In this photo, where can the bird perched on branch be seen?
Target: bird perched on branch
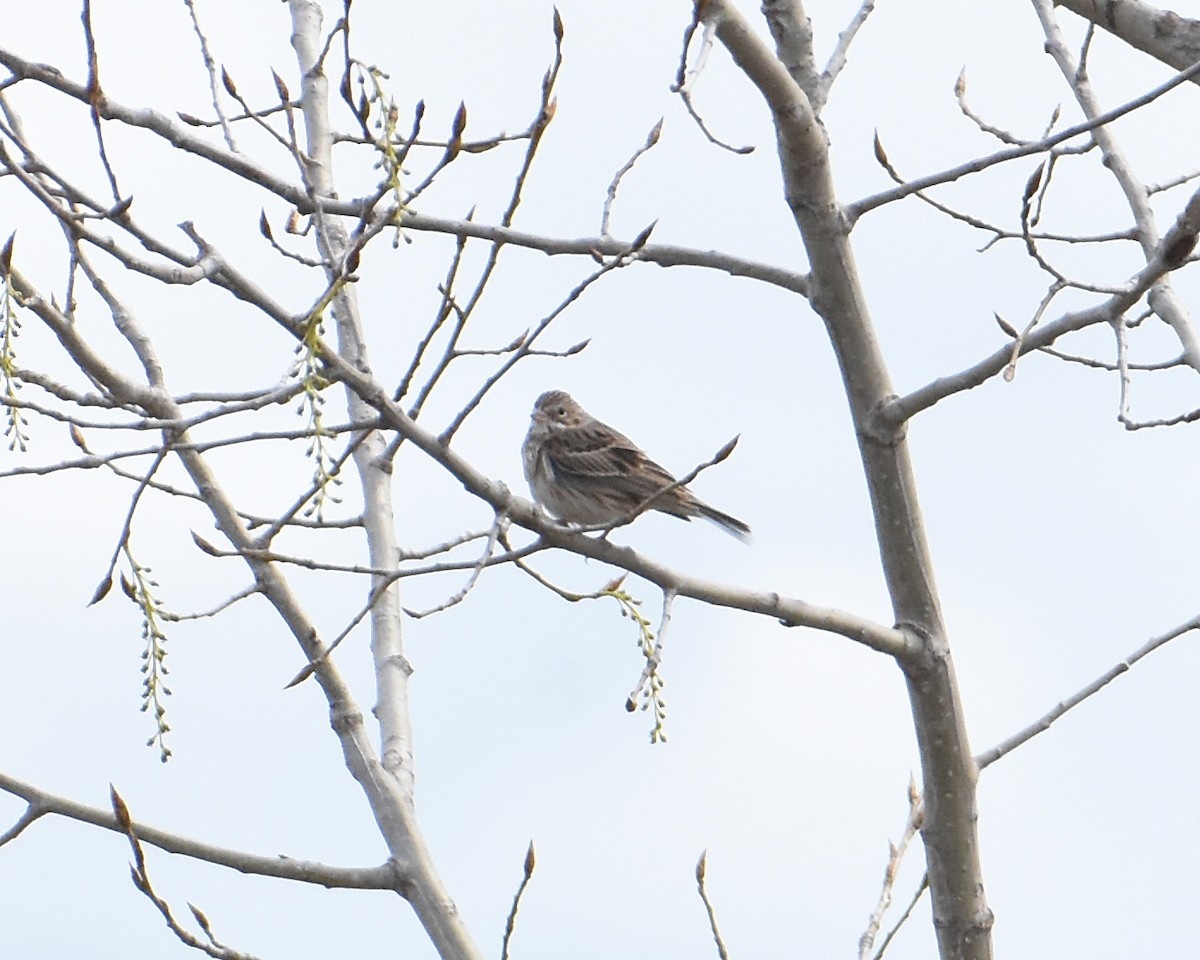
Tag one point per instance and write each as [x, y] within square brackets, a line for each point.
[585, 472]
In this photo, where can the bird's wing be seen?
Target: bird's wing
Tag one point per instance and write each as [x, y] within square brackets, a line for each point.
[597, 454]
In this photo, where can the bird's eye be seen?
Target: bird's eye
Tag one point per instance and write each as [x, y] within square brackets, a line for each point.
[560, 411]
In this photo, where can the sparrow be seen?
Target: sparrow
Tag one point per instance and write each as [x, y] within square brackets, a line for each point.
[583, 471]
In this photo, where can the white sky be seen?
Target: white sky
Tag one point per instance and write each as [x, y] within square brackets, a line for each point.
[1061, 541]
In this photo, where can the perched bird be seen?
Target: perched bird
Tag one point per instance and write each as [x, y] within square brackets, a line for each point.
[583, 471]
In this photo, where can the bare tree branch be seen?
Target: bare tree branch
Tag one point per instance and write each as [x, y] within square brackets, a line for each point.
[1179, 238]
[855, 210]
[1163, 299]
[837, 59]
[701, 886]
[896, 852]
[1164, 35]
[210, 68]
[285, 868]
[510, 923]
[1043, 723]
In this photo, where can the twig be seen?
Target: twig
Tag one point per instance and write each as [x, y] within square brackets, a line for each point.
[896, 852]
[988, 757]
[685, 77]
[123, 539]
[916, 897]
[498, 525]
[32, 813]
[95, 96]
[541, 122]
[335, 468]
[701, 870]
[446, 307]
[1153, 188]
[960, 95]
[212, 611]
[386, 577]
[662, 255]
[211, 67]
[141, 880]
[855, 210]
[1120, 332]
[626, 258]
[837, 59]
[510, 923]
[1179, 240]
[1019, 341]
[569, 595]
[1190, 417]
[611, 196]
[998, 233]
[282, 867]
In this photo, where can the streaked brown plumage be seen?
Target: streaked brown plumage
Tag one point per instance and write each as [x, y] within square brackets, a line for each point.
[583, 471]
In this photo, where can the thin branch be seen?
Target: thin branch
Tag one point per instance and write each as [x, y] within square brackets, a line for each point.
[545, 115]
[837, 59]
[195, 269]
[144, 423]
[386, 577]
[211, 68]
[960, 95]
[701, 870]
[1176, 361]
[123, 538]
[213, 611]
[652, 138]
[92, 462]
[1163, 299]
[686, 77]
[988, 757]
[999, 233]
[1092, 362]
[334, 470]
[855, 210]
[626, 258]
[916, 897]
[1019, 340]
[280, 867]
[1032, 205]
[1174, 249]
[896, 852]
[1153, 188]
[445, 308]
[498, 525]
[1190, 416]
[1122, 337]
[510, 923]
[661, 254]
[141, 879]
[569, 595]
[95, 96]
[33, 812]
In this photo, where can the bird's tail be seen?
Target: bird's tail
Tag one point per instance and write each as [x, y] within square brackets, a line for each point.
[731, 525]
